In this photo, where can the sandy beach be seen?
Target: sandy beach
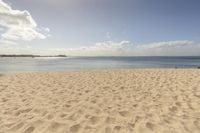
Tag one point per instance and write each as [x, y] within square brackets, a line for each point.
[101, 101]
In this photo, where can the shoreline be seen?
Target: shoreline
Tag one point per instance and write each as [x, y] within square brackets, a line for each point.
[94, 69]
[102, 69]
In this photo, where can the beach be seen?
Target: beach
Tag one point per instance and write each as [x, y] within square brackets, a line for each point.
[101, 101]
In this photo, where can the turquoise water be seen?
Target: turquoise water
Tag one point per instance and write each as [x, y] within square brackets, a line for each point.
[10, 65]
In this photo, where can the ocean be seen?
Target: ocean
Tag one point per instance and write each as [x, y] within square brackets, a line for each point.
[26, 64]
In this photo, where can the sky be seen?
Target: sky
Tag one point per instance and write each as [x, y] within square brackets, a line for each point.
[100, 27]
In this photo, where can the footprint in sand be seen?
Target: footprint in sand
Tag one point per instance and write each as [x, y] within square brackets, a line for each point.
[29, 130]
[124, 113]
[75, 128]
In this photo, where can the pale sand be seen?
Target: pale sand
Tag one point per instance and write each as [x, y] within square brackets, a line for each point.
[126, 101]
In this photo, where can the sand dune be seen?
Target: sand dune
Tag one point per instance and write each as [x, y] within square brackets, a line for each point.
[101, 101]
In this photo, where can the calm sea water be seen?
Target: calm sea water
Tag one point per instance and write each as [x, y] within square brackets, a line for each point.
[10, 65]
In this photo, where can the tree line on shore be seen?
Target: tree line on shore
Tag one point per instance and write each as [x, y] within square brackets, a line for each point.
[26, 55]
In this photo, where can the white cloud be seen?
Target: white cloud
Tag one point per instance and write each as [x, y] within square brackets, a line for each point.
[126, 48]
[7, 42]
[169, 44]
[170, 48]
[19, 25]
[108, 48]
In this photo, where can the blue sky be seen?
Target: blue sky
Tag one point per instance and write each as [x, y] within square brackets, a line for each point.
[77, 25]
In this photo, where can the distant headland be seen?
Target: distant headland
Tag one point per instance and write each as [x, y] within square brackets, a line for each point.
[32, 56]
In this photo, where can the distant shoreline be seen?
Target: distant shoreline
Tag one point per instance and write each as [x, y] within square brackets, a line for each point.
[32, 56]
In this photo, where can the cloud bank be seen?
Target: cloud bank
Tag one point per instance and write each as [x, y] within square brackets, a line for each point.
[111, 48]
[18, 25]
[126, 48]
